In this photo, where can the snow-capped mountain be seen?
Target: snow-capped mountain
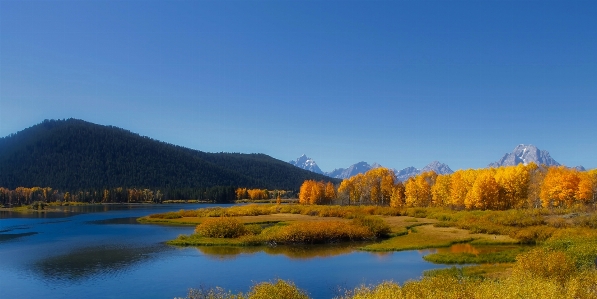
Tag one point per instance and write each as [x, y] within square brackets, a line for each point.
[438, 167]
[307, 163]
[404, 174]
[525, 154]
[344, 173]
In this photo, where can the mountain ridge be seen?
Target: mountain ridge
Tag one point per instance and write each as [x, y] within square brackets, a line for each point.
[74, 154]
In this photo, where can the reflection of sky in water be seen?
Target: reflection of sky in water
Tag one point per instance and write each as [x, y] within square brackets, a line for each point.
[96, 254]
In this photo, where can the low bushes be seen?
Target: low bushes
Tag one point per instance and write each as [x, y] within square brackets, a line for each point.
[213, 230]
[317, 232]
[265, 290]
[223, 227]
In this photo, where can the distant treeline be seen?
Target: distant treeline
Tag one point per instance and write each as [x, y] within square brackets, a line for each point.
[258, 194]
[26, 196]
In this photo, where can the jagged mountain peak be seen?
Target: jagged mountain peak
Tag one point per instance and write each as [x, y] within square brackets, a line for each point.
[438, 167]
[352, 170]
[306, 163]
[525, 154]
[408, 172]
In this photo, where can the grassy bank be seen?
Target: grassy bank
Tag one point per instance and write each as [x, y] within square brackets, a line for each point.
[230, 231]
[559, 265]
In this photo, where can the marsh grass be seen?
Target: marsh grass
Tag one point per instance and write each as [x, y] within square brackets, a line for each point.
[503, 256]
[227, 231]
[347, 212]
[281, 289]
[421, 237]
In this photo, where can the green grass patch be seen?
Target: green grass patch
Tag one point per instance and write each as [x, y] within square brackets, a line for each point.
[503, 256]
[422, 237]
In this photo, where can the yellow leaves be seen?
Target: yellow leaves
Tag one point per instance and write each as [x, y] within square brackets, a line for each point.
[440, 192]
[485, 193]
[502, 188]
[315, 193]
[562, 186]
[376, 186]
[418, 189]
[398, 197]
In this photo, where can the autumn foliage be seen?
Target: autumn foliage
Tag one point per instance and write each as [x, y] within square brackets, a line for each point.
[503, 188]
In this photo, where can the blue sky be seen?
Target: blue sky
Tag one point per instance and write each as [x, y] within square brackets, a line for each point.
[400, 83]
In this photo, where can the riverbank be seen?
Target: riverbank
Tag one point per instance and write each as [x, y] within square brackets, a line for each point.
[405, 232]
[409, 229]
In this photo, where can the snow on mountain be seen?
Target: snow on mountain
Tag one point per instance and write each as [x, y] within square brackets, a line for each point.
[306, 163]
[438, 167]
[525, 154]
[344, 173]
[404, 174]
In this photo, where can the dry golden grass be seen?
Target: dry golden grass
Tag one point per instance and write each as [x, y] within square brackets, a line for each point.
[429, 236]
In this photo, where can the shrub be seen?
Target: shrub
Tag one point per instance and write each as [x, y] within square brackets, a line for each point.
[544, 263]
[222, 227]
[317, 232]
[376, 225]
[279, 289]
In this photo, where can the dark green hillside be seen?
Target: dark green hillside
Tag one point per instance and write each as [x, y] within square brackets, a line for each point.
[74, 154]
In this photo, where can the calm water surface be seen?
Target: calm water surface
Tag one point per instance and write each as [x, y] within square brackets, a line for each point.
[101, 252]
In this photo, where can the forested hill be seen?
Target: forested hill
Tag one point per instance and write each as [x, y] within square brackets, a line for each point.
[73, 154]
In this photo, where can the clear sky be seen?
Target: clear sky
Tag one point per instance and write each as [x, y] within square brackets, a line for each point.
[401, 83]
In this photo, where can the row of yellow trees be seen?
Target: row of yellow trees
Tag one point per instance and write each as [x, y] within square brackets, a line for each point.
[316, 193]
[492, 188]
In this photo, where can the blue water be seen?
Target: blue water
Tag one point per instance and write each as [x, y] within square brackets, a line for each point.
[101, 252]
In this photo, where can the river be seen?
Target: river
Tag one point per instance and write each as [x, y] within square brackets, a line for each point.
[101, 252]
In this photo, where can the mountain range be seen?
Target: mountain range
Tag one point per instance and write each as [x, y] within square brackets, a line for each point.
[307, 163]
[523, 153]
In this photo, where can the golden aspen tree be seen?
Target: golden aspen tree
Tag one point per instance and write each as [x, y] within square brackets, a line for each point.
[458, 190]
[440, 192]
[536, 176]
[426, 181]
[345, 190]
[317, 193]
[485, 192]
[411, 192]
[305, 192]
[559, 187]
[388, 181]
[462, 183]
[356, 194]
[397, 200]
[514, 185]
[330, 192]
[586, 187]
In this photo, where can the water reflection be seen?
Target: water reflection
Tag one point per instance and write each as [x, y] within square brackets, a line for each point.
[86, 262]
[125, 220]
[8, 237]
[292, 252]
